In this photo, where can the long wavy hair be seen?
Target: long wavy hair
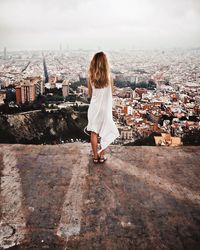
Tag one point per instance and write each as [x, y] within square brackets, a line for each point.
[99, 71]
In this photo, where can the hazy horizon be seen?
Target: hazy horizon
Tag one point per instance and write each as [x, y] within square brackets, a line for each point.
[99, 24]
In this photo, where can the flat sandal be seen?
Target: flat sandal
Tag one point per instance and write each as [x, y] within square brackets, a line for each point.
[102, 159]
[95, 160]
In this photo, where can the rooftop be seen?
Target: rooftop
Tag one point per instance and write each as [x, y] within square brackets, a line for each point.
[55, 197]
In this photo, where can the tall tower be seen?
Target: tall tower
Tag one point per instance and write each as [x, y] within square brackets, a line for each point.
[4, 53]
[65, 88]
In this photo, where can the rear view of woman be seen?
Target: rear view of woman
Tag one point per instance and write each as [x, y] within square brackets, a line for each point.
[100, 119]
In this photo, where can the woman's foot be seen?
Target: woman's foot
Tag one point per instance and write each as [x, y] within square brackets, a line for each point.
[96, 160]
[102, 159]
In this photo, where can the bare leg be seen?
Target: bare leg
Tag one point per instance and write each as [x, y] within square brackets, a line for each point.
[101, 154]
[94, 143]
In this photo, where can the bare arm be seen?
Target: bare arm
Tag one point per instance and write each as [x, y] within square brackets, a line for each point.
[89, 88]
[112, 84]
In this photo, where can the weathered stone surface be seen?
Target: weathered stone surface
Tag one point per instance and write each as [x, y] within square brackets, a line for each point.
[54, 197]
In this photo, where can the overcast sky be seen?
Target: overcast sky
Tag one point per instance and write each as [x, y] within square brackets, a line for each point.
[94, 24]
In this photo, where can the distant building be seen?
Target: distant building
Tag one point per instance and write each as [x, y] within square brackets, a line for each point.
[128, 110]
[126, 133]
[138, 92]
[167, 140]
[128, 92]
[18, 94]
[65, 88]
[28, 89]
[39, 87]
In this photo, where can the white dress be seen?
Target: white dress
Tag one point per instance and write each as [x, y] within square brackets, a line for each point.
[100, 119]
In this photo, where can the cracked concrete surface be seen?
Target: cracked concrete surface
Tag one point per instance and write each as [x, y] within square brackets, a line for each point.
[54, 197]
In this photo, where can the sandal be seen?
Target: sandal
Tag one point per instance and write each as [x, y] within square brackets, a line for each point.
[102, 159]
[95, 160]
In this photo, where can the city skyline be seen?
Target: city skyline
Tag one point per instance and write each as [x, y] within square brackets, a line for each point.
[50, 25]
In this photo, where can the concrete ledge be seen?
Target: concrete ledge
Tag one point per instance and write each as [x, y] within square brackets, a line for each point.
[54, 197]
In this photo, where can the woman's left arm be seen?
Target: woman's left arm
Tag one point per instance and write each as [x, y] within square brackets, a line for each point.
[89, 88]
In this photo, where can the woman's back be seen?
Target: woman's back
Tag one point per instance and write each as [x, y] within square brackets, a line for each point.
[102, 97]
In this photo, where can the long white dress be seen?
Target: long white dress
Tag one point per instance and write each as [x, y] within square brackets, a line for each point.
[100, 118]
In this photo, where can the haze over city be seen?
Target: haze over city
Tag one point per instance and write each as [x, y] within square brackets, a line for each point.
[99, 24]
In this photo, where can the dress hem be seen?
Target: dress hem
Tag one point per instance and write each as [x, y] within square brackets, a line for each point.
[93, 130]
[112, 139]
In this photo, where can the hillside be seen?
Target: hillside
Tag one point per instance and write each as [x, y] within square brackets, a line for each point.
[38, 127]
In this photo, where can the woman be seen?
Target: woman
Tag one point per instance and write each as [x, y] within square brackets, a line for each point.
[100, 119]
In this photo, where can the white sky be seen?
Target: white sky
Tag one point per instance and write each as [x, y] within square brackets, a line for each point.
[105, 24]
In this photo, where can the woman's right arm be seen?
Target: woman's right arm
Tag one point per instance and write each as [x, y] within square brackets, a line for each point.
[112, 84]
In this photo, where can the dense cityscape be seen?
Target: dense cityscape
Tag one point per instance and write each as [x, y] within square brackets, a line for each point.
[156, 92]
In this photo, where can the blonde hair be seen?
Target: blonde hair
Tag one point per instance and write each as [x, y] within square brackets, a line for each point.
[99, 71]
